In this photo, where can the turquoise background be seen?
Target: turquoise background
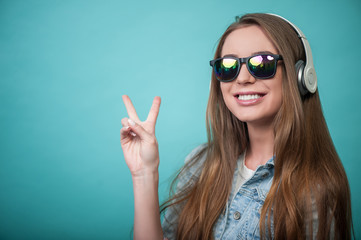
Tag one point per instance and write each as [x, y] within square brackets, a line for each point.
[64, 66]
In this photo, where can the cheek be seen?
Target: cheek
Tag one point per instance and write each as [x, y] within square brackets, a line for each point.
[225, 90]
[278, 100]
[223, 87]
[278, 95]
[277, 87]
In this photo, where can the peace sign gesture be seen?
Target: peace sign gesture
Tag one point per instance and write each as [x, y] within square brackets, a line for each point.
[140, 147]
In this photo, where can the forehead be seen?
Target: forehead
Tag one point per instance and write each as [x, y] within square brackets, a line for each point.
[246, 41]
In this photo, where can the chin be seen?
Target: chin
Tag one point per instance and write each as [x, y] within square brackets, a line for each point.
[256, 119]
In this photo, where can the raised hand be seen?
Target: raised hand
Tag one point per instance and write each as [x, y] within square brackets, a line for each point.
[138, 141]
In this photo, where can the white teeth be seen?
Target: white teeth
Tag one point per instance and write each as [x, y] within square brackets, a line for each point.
[248, 97]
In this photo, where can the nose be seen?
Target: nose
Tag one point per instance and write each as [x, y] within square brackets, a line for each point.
[244, 77]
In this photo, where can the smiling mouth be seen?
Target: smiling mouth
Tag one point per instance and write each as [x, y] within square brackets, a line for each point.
[246, 97]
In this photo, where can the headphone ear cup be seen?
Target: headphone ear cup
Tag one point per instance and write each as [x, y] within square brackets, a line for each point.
[300, 66]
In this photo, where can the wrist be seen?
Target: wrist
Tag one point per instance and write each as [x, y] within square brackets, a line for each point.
[146, 177]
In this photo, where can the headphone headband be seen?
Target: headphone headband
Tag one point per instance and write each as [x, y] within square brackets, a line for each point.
[307, 79]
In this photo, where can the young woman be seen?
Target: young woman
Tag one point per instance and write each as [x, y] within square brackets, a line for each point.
[269, 168]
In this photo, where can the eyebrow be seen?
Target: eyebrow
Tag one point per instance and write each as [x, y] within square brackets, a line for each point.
[254, 53]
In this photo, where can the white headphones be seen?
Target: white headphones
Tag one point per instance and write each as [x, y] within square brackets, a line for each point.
[306, 74]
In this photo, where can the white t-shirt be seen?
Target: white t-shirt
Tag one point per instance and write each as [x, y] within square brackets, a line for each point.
[243, 173]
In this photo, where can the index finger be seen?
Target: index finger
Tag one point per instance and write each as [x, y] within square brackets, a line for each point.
[130, 108]
[154, 110]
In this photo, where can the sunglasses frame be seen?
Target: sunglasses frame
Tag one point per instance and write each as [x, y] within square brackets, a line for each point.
[246, 60]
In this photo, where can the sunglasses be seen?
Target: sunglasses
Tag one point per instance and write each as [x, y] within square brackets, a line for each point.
[261, 66]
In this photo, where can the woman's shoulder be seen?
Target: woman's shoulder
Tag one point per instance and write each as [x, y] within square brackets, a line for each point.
[198, 153]
[193, 164]
[196, 157]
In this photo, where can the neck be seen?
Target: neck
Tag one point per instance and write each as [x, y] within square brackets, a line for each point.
[261, 145]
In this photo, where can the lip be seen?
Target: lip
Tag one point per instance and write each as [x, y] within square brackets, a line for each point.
[249, 102]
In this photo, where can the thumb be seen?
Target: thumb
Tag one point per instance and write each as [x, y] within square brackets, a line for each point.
[138, 130]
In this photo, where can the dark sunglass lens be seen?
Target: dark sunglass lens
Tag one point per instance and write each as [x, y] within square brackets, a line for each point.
[226, 69]
[262, 66]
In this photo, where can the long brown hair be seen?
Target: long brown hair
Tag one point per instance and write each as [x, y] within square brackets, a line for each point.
[308, 172]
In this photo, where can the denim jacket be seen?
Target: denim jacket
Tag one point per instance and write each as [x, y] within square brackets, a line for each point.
[241, 217]
[240, 220]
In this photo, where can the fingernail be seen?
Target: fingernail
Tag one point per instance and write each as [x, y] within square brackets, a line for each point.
[133, 134]
[126, 128]
[131, 122]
